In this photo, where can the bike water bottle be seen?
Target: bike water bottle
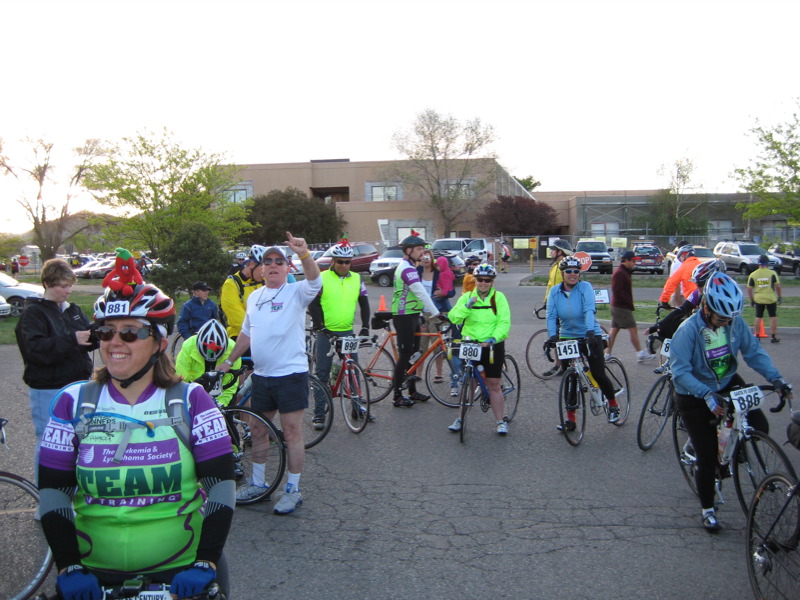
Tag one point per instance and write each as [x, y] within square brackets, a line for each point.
[415, 357]
[724, 436]
[335, 368]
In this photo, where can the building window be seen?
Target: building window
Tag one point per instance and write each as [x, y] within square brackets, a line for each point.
[460, 189]
[239, 193]
[600, 230]
[383, 192]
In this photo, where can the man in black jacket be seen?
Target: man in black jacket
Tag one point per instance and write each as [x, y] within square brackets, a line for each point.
[54, 338]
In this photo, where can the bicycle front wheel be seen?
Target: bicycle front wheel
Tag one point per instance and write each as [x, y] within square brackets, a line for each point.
[466, 399]
[509, 385]
[684, 451]
[26, 558]
[754, 458]
[572, 407]
[378, 366]
[441, 375]
[541, 362]
[354, 398]
[655, 412]
[619, 379]
[257, 446]
[318, 417]
[773, 530]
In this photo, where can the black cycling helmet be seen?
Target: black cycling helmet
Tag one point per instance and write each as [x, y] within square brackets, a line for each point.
[412, 241]
[569, 262]
[562, 245]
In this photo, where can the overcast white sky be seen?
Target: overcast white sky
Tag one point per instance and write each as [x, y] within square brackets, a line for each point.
[583, 95]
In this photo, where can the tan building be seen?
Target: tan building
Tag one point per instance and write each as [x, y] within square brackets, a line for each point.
[383, 200]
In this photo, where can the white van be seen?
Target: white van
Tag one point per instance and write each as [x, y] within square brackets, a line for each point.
[465, 247]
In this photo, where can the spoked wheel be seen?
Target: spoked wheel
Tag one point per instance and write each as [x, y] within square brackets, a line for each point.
[541, 361]
[440, 386]
[656, 411]
[378, 366]
[466, 400]
[571, 400]
[684, 451]
[257, 445]
[354, 398]
[619, 379]
[755, 457]
[318, 416]
[176, 345]
[773, 530]
[509, 384]
[26, 556]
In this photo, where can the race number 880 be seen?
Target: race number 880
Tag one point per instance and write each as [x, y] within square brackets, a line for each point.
[470, 352]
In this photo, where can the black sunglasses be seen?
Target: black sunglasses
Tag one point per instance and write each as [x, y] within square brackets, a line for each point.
[339, 261]
[484, 279]
[126, 334]
[277, 261]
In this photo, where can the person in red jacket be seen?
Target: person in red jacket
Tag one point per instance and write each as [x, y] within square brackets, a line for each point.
[622, 307]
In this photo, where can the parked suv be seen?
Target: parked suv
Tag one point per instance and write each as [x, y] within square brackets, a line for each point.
[743, 256]
[601, 259]
[789, 256]
[464, 247]
[363, 255]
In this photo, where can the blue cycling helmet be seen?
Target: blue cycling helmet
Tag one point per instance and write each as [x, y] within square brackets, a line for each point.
[705, 270]
[723, 296]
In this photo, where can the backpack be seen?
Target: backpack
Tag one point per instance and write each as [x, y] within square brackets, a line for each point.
[177, 405]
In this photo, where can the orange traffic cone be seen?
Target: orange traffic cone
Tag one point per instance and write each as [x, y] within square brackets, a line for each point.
[761, 333]
[382, 304]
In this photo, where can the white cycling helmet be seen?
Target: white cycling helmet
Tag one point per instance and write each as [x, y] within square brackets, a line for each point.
[342, 251]
[485, 270]
[257, 253]
[212, 340]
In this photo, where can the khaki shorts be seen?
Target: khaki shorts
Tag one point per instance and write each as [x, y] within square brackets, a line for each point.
[622, 318]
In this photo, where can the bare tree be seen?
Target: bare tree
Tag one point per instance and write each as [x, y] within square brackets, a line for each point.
[53, 223]
[678, 209]
[442, 165]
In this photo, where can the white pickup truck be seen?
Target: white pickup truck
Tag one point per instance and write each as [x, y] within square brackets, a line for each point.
[465, 247]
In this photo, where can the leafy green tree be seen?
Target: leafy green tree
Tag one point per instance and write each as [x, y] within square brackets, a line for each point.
[161, 186]
[10, 244]
[277, 212]
[441, 165]
[53, 222]
[529, 183]
[773, 178]
[517, 215]
[192, 254]
[678, 209]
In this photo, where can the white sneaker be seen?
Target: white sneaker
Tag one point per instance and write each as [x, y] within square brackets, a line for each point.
[645, 356]
[250, 491]
[609, 356]
[454, 392]
[456, 426]
[502, 428]
[288, 502]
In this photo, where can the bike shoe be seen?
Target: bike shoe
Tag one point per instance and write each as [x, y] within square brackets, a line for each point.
[417, 397]
[613, 414]
[710, 522]
[566, 426]
[319, 423]
[402, 401]
[551, 372]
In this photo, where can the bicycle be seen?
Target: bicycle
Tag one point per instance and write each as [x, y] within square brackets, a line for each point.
[773, 536]
[473, 385]
[29, 560]
[176, 345]
[538, 354]
[349, 382]
[141, 588]
[256, 440]
[577, 381]
[748, 455]
[659, 404]
[379, 362]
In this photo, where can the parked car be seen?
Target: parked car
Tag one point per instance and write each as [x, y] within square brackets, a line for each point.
[464, 247]
[15, 293]
[648, 259]
[363, 255]
[789, 256]
[5, 308]
[382, 271]
[743, 256]
[297, 264]
[83, 272]
[701, 252]
[601, 259]
[102, 268]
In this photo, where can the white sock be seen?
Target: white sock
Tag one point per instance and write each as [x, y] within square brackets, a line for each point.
[258, 474]
[293, 480]
[708, 511]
